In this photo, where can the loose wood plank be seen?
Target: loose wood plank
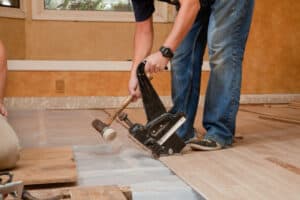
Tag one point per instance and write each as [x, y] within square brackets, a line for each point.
[45, 166]
[82, 193]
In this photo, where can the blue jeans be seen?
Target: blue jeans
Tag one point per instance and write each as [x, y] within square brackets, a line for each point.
[224, 26]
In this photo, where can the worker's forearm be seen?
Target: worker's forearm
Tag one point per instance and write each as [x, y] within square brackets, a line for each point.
[143, 41]
[183, 22]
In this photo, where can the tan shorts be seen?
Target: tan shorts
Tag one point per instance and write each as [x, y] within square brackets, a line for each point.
[9, 145]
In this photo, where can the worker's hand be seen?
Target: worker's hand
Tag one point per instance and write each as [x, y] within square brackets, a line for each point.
[3, 110]
[156, 62]
[133, 86]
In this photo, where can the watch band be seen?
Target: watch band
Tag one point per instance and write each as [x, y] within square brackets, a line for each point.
[166, 52]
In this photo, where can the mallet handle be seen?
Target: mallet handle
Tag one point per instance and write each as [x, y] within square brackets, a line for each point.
[126, 102]
[123, 106]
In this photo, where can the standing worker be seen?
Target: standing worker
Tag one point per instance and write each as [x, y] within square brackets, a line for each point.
[224, 26]
[9, 143]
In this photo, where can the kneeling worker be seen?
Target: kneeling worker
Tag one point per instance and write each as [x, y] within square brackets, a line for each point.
[9, 143]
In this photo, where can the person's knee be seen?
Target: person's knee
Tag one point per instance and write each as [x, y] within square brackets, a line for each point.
[9, 145]
[2, 57]
[2, 50]
[218, 47]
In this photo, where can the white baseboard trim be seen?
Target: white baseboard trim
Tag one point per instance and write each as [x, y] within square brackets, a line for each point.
[269, 98]
[114, 102]
[68, 65]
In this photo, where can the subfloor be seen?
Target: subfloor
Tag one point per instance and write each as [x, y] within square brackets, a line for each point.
[264, 164]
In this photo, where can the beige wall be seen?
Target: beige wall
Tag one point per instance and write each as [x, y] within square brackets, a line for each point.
[271, 62]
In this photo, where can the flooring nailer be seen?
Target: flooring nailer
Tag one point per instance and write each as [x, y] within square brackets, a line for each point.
[159, 133]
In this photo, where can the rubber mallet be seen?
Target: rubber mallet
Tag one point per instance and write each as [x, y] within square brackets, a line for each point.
[104, 129]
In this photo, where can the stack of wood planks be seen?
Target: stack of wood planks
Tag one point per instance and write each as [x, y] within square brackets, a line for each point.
[46, 166]
[43, 167]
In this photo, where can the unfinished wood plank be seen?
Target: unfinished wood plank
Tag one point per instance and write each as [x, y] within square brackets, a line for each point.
[284, 165]
[280, 119]
[285, 112]
[46, 166]
[245, 176]
[242, 172]
[83, 193]
[64, 153]
[294, 105]
[282, 114]
[127, 192]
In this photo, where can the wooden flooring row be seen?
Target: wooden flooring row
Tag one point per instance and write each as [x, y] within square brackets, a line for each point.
[265, 164]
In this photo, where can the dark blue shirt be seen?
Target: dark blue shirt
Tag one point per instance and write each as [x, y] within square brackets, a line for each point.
[143, 9]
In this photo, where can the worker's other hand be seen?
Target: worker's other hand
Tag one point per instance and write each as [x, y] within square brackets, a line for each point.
[156, 62]
[3, 110]
[133, 87]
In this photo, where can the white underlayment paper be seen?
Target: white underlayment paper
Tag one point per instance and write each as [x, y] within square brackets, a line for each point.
[114, 164]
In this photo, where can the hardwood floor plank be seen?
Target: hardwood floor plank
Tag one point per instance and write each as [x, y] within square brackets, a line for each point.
[263, 165]
[46, 166]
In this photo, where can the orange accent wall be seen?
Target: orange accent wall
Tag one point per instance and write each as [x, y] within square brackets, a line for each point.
[12, 33]
[271, 65]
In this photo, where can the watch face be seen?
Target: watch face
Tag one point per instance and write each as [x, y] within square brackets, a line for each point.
[166, 52]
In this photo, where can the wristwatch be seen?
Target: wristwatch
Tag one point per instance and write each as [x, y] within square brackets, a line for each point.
[166, 52]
